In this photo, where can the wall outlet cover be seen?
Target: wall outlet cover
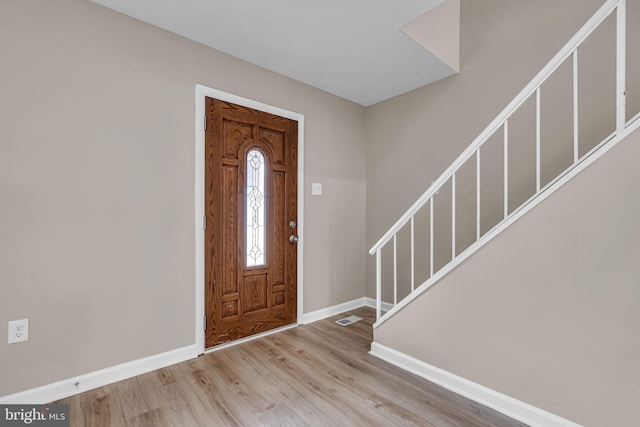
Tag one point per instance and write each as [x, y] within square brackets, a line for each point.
[18, 330]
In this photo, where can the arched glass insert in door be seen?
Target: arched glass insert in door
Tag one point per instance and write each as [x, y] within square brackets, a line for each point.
[255, 205]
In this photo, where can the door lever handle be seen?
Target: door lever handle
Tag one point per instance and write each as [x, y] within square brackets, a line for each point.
[293, 238]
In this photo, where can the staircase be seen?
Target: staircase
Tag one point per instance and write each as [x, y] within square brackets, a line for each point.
[388, 300]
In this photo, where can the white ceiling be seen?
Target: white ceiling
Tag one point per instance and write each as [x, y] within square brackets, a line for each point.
[350, 48]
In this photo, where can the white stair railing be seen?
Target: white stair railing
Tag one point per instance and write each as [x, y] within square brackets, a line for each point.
[501, 124]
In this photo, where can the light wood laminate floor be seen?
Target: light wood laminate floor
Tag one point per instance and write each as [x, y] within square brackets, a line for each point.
[314, 375]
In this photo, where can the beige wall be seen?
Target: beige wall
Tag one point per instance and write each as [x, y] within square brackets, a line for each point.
[97, 186]
[438, 31]
[549, 311]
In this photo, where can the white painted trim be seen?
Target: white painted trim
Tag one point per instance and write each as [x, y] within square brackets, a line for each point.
[502, 403]
[371, 302]
[323, 313]
[249, 338]
[65, 388]
[548, 190]
[379, 283]
[621, 64]
[201, 93]
[199, 213]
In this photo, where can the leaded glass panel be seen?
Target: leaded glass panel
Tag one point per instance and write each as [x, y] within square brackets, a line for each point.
[255, 205]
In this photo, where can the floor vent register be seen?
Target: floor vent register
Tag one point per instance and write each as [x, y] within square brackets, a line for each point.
[348, 320]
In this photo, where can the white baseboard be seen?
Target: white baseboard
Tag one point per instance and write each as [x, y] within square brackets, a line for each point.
[520, 411]
[65, 388]
[321, 314]
[314, 316]
[371, 302]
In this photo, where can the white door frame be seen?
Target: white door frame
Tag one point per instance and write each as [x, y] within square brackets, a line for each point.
[201, 93]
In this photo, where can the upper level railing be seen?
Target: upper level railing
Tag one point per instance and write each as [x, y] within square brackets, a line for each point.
[501, 126]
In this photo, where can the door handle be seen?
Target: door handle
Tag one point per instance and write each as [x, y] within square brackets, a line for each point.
[293, 238]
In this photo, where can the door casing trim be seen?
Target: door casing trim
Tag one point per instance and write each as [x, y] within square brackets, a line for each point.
[201, 93]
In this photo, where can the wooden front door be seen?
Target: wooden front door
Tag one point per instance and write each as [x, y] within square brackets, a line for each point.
[251, 215]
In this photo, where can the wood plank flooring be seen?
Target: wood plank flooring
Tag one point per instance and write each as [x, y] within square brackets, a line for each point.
[314, 375]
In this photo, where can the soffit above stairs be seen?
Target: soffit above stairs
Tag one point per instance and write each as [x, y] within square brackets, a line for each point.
[361, 50]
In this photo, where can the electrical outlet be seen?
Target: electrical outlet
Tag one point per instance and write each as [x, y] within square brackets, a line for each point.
[18, 330]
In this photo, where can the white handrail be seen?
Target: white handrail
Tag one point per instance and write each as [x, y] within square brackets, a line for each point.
[605, 10]
[621, 64]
